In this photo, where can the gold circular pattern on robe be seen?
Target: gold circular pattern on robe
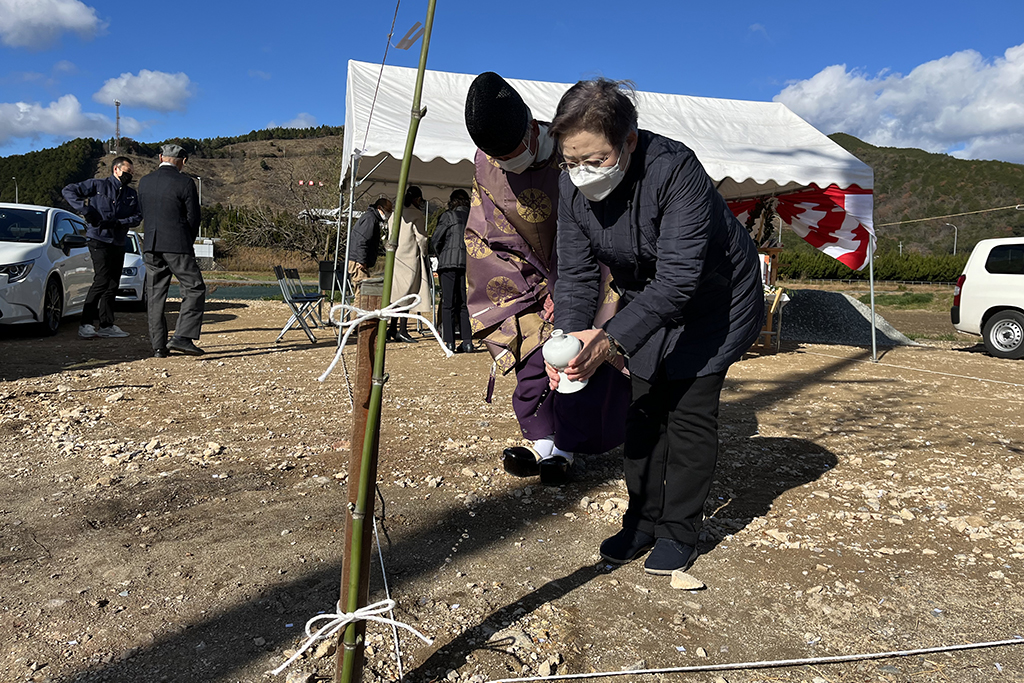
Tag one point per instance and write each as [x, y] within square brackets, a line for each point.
[502, 223]
[610, 296]
[474, 197]
[475, 246]
[502, 291]
[475, 325]
[533, 205]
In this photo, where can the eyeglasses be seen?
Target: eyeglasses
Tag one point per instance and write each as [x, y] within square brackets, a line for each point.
[587, 163]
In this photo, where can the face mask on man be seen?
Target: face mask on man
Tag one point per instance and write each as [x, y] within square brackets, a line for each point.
[597, 183]
[520, 162]
[126, 178]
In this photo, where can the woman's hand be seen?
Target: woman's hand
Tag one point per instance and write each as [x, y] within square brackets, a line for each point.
[547, 312]
[589, 359]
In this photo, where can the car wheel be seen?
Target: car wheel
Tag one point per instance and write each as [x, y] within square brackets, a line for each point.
[1004, 335]
[53, 307]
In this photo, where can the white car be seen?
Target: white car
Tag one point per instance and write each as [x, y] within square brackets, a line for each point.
[45, 266]
[133, 274]
[989, 296]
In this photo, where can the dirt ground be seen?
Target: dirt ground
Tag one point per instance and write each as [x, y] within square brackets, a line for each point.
[180, 519]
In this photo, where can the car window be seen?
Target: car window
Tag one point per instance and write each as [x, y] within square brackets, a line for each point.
[1006, 259]
[22, 225]
[79, 227]
[64, 226]
[131, 245]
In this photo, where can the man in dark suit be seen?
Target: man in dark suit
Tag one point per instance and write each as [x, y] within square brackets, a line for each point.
[170, 211]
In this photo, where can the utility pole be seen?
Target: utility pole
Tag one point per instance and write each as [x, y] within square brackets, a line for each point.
[117, 126]
[15, 189]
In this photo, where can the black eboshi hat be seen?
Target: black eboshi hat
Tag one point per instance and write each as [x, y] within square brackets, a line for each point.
[496, 116]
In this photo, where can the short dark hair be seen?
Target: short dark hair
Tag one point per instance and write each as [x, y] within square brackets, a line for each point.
[120, 160]
[381, 203]
[599, 106]
[458, 198]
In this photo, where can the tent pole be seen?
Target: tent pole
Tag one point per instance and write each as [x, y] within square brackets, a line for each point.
[871, 279]
[352, 650]
[348, 234]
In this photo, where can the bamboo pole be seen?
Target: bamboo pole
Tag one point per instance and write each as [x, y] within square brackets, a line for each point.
[348, 655]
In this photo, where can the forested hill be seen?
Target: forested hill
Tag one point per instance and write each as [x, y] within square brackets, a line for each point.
[912, 183]
[285, 170]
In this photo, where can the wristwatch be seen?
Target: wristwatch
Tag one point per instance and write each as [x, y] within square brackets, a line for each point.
[614, 348]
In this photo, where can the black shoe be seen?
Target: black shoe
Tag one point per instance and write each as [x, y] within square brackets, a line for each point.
[160, 353]
[626, 546]
[668, 556]
[186, 346]
[403, 337]
[556, 470]
[520, 461]
[466, 347]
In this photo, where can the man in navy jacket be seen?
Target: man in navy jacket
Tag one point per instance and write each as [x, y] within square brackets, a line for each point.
[170, 207]
[111, 208]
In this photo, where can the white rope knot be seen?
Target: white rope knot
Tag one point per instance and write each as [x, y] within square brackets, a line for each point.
[396, 309]
[339, 620]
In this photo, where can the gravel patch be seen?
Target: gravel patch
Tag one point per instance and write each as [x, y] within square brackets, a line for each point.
[816, 317]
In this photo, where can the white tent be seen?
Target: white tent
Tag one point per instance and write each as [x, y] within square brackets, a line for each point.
[750, 148]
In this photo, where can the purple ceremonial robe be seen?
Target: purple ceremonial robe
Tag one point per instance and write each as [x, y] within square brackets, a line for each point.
[510, 271]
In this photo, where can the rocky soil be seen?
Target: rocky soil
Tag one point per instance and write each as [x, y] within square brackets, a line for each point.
[180, 519]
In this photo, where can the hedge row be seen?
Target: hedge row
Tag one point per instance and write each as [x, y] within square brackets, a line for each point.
[888, 266]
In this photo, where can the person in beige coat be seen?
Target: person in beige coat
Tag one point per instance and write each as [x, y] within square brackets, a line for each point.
[411, 271]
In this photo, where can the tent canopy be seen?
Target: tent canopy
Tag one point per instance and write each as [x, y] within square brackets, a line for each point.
[748, 148]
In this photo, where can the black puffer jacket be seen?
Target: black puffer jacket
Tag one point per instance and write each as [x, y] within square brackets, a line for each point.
[687, 271]
[449, 239]
[364, 242]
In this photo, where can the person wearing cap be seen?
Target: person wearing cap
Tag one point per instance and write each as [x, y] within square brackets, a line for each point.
[170, 211]
[111, 208]
[364, 242]
[511, 271]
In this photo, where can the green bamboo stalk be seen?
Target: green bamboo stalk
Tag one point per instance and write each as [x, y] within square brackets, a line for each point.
[358, 515]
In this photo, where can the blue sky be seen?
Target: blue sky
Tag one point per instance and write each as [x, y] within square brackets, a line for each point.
[939, 75]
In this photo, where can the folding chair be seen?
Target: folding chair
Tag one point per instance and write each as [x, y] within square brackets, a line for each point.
[302, 303]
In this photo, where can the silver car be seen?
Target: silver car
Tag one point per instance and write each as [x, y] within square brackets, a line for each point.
[45, 267]
[133, 274]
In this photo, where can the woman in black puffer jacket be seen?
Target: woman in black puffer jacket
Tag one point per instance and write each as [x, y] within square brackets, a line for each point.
[448, 242]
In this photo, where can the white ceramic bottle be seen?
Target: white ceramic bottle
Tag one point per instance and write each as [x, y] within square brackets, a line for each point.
[558, 351]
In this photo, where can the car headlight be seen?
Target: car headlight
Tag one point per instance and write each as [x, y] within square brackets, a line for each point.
[16, 272]
[131, 271]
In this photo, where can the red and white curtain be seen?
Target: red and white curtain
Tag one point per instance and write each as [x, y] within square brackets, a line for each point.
[834, 221]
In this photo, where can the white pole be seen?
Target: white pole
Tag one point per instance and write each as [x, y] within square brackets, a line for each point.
[871, 278]
[348, 233]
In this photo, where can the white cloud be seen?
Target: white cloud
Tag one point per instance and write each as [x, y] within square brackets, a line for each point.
[36, 24]
[63, 119]
[148, 90]
[302, 120]
[961, 104]
[261, 75]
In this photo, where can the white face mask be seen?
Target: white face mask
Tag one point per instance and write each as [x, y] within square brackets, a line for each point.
[598, 183]
[518, 163]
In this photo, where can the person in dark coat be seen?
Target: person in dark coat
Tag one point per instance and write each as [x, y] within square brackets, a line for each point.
[692, 303]
[170, 209]
[449, 243]
[364, 241]
[110, 208]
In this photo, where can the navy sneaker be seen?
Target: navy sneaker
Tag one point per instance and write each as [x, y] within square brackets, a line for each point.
[626, 546]
[668, 556]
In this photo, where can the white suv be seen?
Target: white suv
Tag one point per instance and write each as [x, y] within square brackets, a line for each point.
[989, 296]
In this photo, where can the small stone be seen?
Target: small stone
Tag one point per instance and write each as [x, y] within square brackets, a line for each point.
[545, 669]
[153, 445]
[468, 472]
[683, 581]
[701, 652]
[996, 575]
[300, 677]
[260, 641]
[326, 648]
[115, 397]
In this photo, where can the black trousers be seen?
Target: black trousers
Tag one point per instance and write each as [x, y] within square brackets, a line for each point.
[159, 268]
[453, 305]
[107, 263]
[670, 454]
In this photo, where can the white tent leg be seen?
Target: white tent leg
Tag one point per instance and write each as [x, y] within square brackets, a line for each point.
[871, 279]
